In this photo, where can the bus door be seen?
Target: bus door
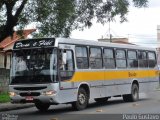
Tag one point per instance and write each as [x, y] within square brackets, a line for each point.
[66, 68]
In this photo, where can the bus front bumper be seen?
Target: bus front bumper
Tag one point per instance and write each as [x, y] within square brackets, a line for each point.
[34, 99]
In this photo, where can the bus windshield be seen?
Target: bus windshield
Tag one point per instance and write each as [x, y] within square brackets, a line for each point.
[37, 66]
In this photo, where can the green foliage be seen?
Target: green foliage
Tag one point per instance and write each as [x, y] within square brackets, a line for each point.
[140, 3]
[4, 97]
[60, 17]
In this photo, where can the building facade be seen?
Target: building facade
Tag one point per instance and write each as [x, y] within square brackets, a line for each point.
[6, 54]
[158, 45]
[116, 40]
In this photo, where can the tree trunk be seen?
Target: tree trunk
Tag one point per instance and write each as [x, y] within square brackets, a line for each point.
[12, 20]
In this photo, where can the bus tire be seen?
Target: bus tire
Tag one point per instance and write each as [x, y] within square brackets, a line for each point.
[42, 106]
[134, 96]
[82, 100]
[126, 98]
[101, 100]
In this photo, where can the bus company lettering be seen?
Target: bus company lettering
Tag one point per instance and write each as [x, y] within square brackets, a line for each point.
[43, 42]
[157, 72]
[132, 74]
[20, 45]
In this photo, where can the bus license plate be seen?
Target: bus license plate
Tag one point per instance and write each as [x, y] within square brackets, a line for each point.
[29, 98]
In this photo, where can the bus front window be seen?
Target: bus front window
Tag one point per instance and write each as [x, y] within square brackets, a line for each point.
[34, 66]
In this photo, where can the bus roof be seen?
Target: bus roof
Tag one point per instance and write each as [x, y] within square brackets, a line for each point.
[103, 44]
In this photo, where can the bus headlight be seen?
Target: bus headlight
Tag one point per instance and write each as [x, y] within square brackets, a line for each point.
[12, 94]
[49, 93]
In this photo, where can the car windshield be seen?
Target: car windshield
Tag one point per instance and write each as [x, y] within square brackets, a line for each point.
[34, 66]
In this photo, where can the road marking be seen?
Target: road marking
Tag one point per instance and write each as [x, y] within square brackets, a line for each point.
[135, 104]
[100, 110]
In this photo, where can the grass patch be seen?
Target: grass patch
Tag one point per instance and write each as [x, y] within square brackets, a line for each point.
[4, 97]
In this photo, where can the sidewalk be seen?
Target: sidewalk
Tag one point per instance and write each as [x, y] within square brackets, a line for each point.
[10, 106]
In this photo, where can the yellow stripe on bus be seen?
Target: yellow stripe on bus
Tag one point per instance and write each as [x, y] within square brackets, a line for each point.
[112, 75]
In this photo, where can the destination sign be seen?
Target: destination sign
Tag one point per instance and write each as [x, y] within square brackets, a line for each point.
[34, 43]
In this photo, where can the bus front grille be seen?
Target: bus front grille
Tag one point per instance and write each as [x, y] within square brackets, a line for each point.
[30, 88]
[29, 94]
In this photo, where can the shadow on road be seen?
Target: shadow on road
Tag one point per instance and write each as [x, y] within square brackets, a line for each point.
[55, 110]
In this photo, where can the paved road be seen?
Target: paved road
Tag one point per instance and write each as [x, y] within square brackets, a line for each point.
[148, 103]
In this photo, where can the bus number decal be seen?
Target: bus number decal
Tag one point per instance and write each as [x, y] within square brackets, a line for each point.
[132, 74]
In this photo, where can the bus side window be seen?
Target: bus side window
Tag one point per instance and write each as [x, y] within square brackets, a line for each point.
[132, 59]
[142, 59]
[95, 58]
[121, 59]
[69, 61]
[82, 57]
[109, 61]
[151, 59]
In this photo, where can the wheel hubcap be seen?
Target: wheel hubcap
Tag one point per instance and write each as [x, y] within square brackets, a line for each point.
[135, 94]
[82, 98]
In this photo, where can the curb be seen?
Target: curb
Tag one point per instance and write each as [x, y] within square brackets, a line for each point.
[10, 106]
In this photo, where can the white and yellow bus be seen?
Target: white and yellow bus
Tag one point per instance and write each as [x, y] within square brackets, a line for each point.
[51, 71]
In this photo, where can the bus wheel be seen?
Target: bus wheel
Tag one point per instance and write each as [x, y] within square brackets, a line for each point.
[101, 100]
[82, 100]
[42, 106]
[134, 96]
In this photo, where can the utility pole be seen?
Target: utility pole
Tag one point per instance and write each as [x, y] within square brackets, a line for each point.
[110, 35]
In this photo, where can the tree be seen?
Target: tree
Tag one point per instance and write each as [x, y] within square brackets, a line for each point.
[60, 17]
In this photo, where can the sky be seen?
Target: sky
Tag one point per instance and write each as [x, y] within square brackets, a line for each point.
[141, 27]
